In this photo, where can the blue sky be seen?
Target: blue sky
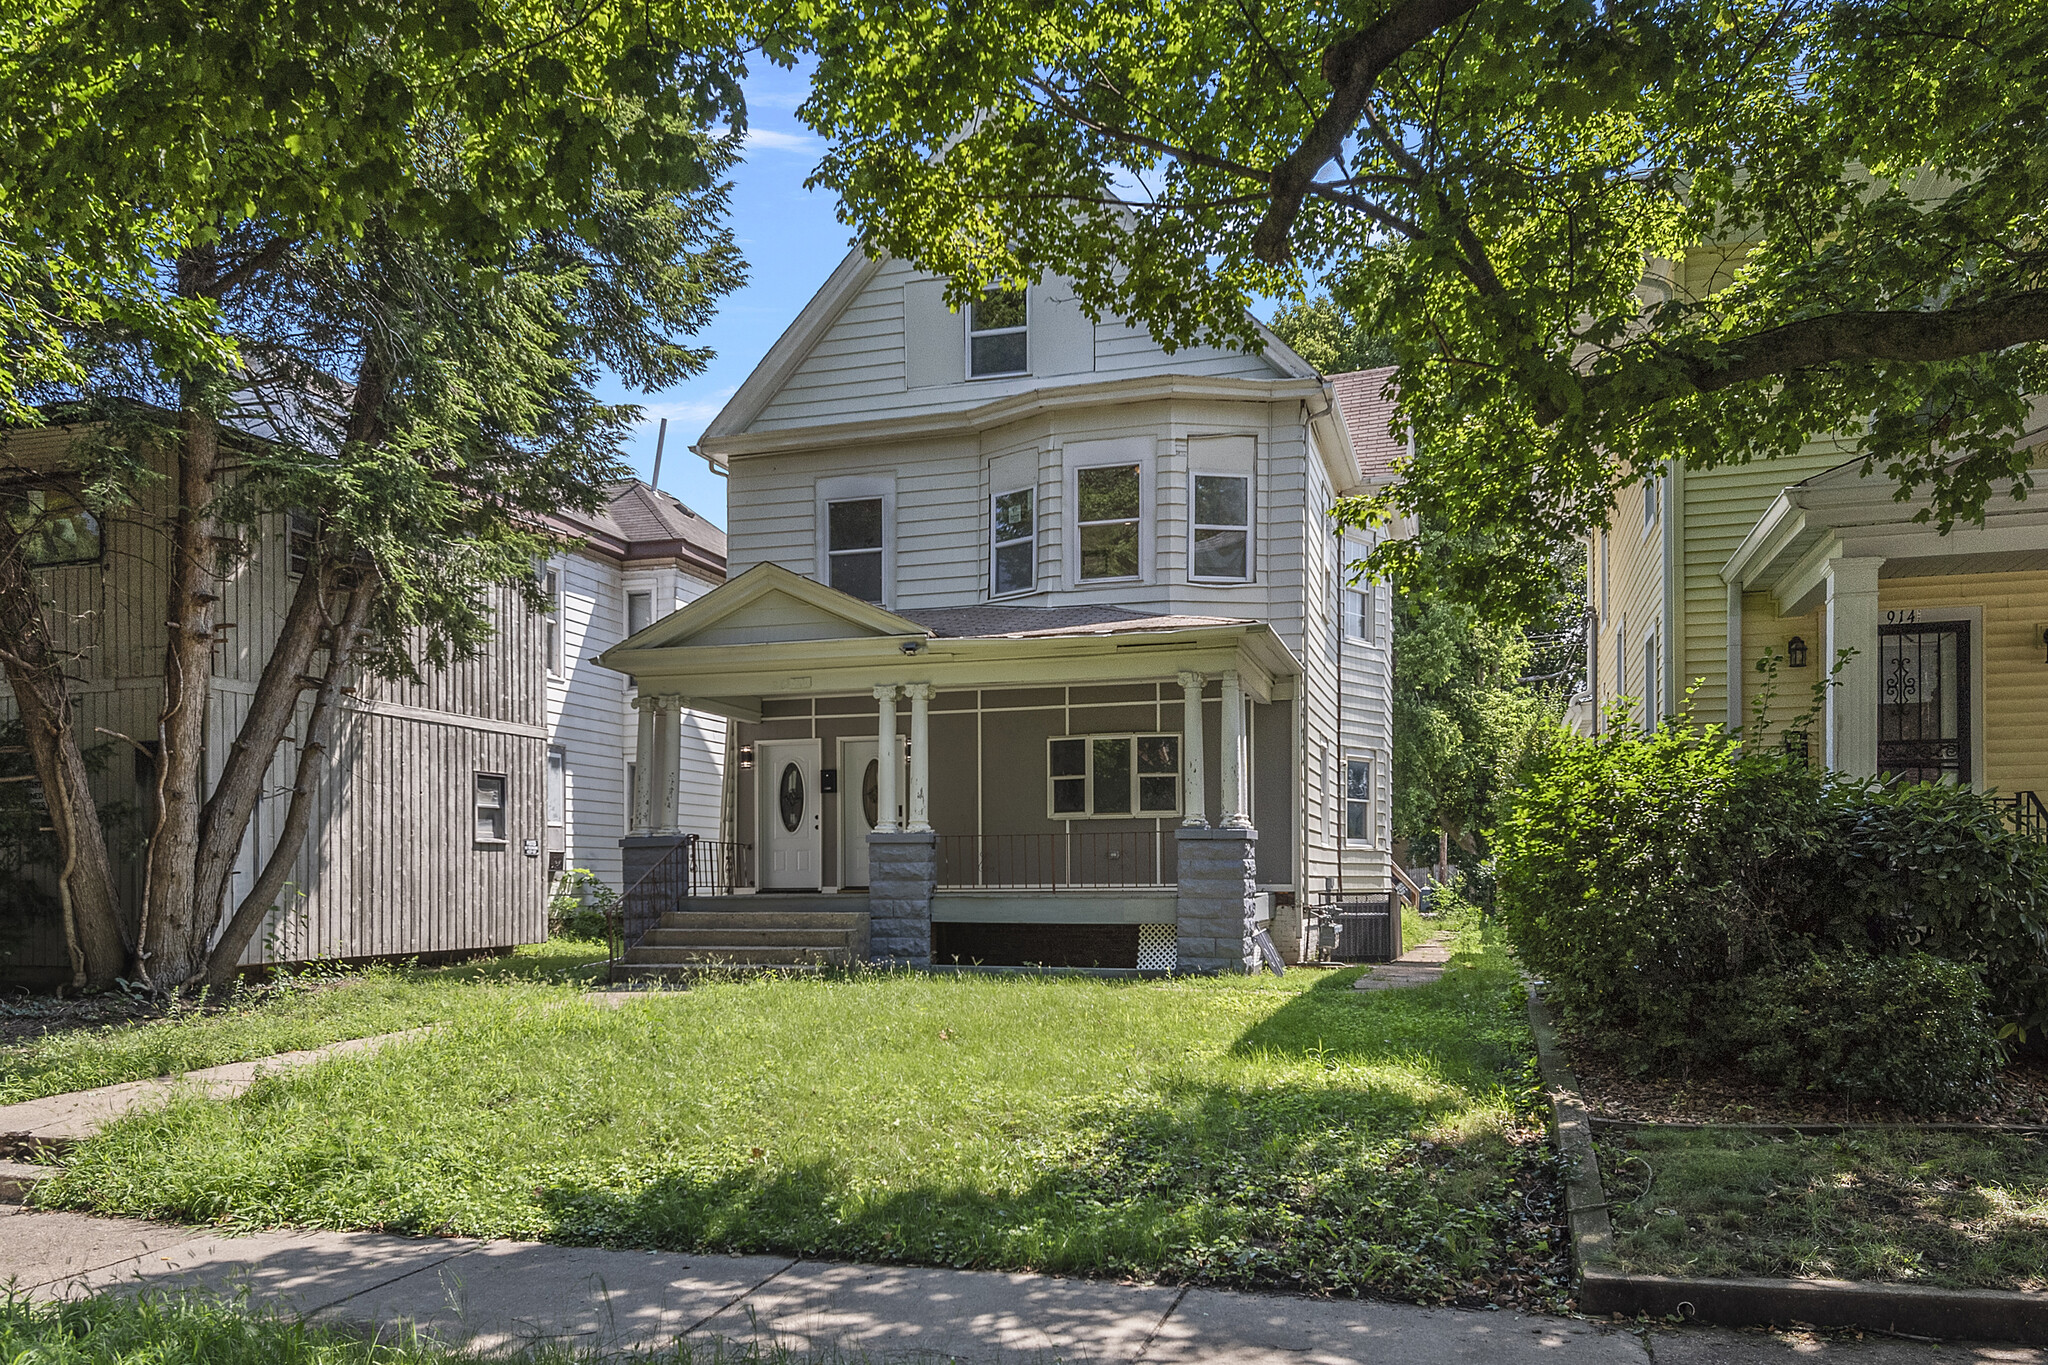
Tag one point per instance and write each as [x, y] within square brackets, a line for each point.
[792, 240]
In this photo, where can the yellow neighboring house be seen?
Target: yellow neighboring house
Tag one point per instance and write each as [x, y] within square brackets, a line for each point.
[1703, 573]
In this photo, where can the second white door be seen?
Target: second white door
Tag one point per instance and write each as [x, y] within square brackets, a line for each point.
[790, 817]
[860, 804]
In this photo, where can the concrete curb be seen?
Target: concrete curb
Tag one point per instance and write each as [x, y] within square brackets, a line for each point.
[1982, 1314]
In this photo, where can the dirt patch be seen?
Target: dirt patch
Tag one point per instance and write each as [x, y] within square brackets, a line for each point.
[25, 1018]
[1727, 1094]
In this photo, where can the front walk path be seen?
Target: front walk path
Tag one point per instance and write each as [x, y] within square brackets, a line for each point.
[1418, 966]
[496, 1294]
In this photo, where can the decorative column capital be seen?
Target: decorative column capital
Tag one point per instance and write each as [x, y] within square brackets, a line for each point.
[885, 691]
[918, 691]
[1189, 680]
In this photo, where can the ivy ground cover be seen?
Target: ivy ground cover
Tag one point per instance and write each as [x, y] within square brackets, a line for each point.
[1292, 1133]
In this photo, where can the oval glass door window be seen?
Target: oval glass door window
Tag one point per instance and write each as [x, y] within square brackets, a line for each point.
[871, 793]
[790, 796]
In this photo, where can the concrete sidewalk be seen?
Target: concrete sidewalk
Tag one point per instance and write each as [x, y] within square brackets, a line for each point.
[495, 1294]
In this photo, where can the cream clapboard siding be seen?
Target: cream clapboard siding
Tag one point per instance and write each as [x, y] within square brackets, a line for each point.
[857, 369]
[390, 865]
[2015, 681]
[1631, 606]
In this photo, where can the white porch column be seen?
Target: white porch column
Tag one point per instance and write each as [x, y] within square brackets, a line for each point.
[1234, 815]
[920, 695]
[668, 761]
[1194, 799]
[642, 814]
[1852, 619]
[885, 780]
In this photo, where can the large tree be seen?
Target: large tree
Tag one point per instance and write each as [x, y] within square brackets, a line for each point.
[462, 214]
[1839, 205]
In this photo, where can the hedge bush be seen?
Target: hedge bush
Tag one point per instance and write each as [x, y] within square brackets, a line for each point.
[1650, 878]
[1911, 1029]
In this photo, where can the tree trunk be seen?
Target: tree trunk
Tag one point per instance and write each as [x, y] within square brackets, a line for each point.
[85, 881]
[241, 927]
[175, 927]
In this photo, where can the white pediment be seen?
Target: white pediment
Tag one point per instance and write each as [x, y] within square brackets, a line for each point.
[767, 605]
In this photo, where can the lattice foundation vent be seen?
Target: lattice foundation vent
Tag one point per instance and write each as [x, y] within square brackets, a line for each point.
[1158, 947]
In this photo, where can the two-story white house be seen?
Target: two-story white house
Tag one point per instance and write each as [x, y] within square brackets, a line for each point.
[1039, 643]
[642, 557]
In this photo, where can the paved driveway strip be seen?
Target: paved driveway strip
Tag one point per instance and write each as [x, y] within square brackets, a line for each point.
[494, 1294]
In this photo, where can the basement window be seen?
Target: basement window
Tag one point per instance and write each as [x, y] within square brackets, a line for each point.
[1112, 775]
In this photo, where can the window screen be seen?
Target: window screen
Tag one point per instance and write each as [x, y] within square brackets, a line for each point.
[1014, 541]
[1221, 546]
[996, 336]
[490, 807]
[854, 547]
[1107, 775]
[1111, 499]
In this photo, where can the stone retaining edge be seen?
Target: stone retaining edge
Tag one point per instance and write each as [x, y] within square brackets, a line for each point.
[1982, 1314]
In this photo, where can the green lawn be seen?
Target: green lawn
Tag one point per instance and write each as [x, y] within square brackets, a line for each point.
[304, 1010]
[1248, 1130]
[1949, 1209]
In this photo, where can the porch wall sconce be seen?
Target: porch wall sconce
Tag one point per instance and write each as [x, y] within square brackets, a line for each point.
[746, 755]
[2041, 638]
[1795, 653]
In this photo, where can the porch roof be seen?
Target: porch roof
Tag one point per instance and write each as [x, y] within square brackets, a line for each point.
[770, 632]
[1842, 514]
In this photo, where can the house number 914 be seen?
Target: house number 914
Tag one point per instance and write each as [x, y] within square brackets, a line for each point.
[1901, 618]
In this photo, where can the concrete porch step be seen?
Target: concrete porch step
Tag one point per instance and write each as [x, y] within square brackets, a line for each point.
[766, 920]
[735, 954]
[685, 972]
[667, 935]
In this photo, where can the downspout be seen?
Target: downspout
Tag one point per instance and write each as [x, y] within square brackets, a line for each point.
[1674, 588]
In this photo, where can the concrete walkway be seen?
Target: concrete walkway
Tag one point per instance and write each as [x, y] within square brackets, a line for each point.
[496, 1294]
[1417, 967]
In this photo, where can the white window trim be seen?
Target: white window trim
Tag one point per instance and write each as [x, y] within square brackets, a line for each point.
[967, 343]
[1251, 519]
[1345, 802]
[553, 626]
[1653, 503]
[1087, 777]
[1653, 702]
[476, 806]
[995, 545]
[629, 595]
[549, 815]
[1144, 519]
[855, 488]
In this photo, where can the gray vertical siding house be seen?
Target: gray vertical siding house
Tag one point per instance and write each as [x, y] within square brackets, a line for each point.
[427, 839]
[1038, 640]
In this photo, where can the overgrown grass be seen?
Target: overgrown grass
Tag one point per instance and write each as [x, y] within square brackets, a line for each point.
[304, 1009]
[198, 1330]
[1246, 1130]
[1949, 1209]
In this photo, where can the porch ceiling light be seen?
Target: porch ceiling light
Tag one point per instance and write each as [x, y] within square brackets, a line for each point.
[911, 646]
[1795, 652]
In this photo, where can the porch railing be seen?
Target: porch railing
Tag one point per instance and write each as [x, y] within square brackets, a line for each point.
[695, 866]
[1047, 862]
[2026, 813]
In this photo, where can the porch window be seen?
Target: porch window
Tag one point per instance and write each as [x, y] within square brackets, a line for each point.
[1358, 799]
[854, 547]
[1221, 532]
[996, 336]
[1013, 534]
[55, 528]
[1112, 775]
[490, 808]
[1111, 499]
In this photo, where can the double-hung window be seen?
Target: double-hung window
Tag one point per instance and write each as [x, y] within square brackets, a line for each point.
[55, 528]
[1653, 703]
[551, 588]
[300, 531]
[1653, 488]
[854, 547]
[1111, 500]
[1358, 612]
[1099, 775]
[1013, 540]
[639, 611]
[1221, 529]
[1358, 800]
[996, 335]
[490, 808]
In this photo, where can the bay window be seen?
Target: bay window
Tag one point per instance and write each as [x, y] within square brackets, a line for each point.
[1013, 540]
[1111, 500]
[1220, 530]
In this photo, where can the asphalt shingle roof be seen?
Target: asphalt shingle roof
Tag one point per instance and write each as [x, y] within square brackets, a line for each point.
[1366, 399]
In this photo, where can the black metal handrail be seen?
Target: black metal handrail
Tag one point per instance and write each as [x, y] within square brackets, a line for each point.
[2026, 813]
[695, 866]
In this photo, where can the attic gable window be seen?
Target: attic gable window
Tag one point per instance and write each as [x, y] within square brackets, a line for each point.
[55, 528]
[854, 547]
[996, 336]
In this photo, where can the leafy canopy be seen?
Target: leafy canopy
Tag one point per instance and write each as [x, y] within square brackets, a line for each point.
[1598, 234]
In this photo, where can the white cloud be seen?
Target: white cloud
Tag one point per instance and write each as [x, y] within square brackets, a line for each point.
[682, 413]
[767, 139]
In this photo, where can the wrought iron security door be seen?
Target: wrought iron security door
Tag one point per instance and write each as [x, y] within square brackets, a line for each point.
[1923, 702]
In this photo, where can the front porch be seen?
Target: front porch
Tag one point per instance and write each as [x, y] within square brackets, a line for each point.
[1108, 789]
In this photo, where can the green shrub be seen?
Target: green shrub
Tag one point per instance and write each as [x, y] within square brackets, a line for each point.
[1646, 876]
[580, 905]
[1911, 1030]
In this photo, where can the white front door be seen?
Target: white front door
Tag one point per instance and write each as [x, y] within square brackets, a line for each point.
[790, 824]
[860, 804]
